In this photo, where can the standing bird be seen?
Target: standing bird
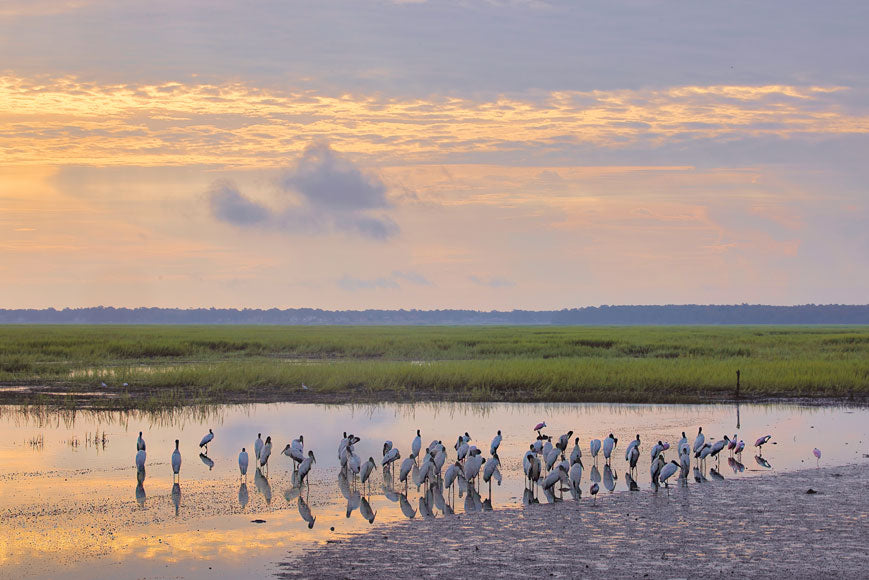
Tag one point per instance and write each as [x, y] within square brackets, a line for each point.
[387, 446]
[472, 467]
[266, 452]
[608, 445]
[667, 471]
[718, 446]
[294, 453]
[576, 454]
[406, 467]
[634, 456]
[451, 474]
[685, 461]
[563, 441]
[496, 442]
[631, 445]
[739, 447]
[243, 462]
[761, 442]
[366, 469]
[258, 446]
[305, 467]
[731, 445]
[594, 448]
[817, 453]
[140, 460]
[683, 442]
[391, 456]
[655, 470]
[656, 449]
[593, 491]
[539, 426]
[416, 446]
[206, 440]
[699, 440]
[176, 461]
[140, 443]
[575, 477]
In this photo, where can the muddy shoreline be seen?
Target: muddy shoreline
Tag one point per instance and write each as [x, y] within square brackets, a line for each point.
[767, 527]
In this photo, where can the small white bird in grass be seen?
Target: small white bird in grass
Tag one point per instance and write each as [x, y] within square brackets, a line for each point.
[176, 460]
[667, 471]
[243, 461]
[266, 452]
[206, 440]
[608, 445]
[140, 459]
[366, 469]
[594, 447]
[258, 446]
[305, 467]
[140, 443]
[699, 440]
[496, 442]
[416, 445]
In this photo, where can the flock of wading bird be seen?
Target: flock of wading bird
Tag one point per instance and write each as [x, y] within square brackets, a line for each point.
[547, 466]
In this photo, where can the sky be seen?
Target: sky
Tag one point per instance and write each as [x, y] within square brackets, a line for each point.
[486, 154]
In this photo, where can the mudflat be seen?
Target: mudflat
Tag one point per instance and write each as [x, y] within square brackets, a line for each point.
[764, 527]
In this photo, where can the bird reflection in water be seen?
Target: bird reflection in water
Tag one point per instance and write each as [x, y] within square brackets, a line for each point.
[291, 493]
[209, 463]
[176, 497]
[735, 465]
[406, 508]
[425, 508]
[631, 483]
[762, 462]
[714, 474]
[595, 474]
[305, 512]
[366, 511]
[243, 496]
[354, 500]
[608, 481]
[140, 488]
[262, 485]
[437, 494]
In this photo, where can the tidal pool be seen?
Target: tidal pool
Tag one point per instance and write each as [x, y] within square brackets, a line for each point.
[72, 501]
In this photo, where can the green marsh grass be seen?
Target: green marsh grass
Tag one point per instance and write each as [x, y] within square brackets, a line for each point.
[167, 365]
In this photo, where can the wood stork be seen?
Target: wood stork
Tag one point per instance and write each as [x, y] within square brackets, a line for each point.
[243, 462]
[554, 477]
[608, 445]
[547, 447]
[631, 445]
[387, 446]
[416, 445]
[496, 442]
[537, 446]
[462, 451]
[594, 447]
[294, 453]
[685, 461]
[176, 461]
[391, 456]
[258, 447]
[667, 471]
[451, 474]
[140, 443]
[406, 467]
[366, 469]
[552, 458]
[354, 464]
[683, 442]
[576, 454]
[593, 491]
[718, 446]
[305, 468]
[472, 467]
[563, 441]
[575, 477]
[266, 453]
[140, 459]
[206, 440]
[699, 440]
[655, 470]
[656, 449]
[761, 442]
[634, 456]
[491, 470]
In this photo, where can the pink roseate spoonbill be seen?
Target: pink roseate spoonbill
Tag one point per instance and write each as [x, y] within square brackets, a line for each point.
[761, 442]
[817, 453]
[739, 447]
[539, 426]
[732, 445]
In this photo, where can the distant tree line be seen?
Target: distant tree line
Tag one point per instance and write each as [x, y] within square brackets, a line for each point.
[591, 315]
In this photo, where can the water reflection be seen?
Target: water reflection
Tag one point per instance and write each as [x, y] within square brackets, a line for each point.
[406, 508]
[354, 500]
[176, 496]
[209, 463]
[595, 474]
[366, 511]
[305, 512]
[608, 478]
[140, 487]
[243, 496]
[735, 465]
[714, 474]
[262, 485]
[631, 483]
[762, 462]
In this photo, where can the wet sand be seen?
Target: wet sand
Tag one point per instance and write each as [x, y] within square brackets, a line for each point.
[766, 527]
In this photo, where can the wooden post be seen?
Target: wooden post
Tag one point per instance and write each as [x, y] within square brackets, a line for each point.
[737, 384]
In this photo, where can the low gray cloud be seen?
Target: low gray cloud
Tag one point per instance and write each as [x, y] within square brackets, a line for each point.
[493, 282]
[323, 192]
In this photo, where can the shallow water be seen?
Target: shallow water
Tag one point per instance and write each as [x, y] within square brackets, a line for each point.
[70, 498]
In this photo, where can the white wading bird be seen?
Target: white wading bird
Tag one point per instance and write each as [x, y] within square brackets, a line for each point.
[176, 461]
[206, 440]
